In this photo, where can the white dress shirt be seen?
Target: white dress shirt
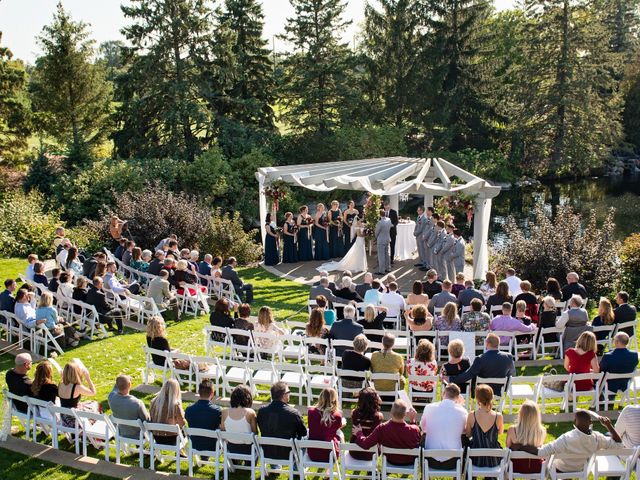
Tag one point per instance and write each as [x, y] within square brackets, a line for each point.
[114, 284]
[514, 285]
[394, 302]
[576, 442]
[61, 258]
[443, 424]
[628, 426]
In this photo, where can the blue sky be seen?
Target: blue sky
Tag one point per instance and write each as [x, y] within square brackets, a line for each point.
[22, 20]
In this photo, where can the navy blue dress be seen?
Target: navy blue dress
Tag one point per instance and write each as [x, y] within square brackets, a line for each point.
[336, 243]
[271, 252]
[305, 250]
[321, 251]
[289, 251]
[346, 229]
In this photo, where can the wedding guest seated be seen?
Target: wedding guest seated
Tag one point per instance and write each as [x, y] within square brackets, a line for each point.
[43, 387]
[71, 388]
[393, 301]
[32, 259]
[25, 309]
[356, 360]
[119, 251]
[89, 265]
[73, 263]
[513, 281]
[476, 320]
[183, 276]
[489, 286]
[484, 425]
[125, 406]
[457, 363]
[447, 321]
[624, 312]
[528, 430]
[221, 317]
[499, 298]
[266, 324]
[65, 287]
[348, 291]
[80, 293]
[157, 263]
[458, 285]
[38, 274]
[325, 274]
[345, 329]
[395, 433]
[137, 263]
[280, 420]
[203, 414]
[204, 267]
[54, 283]
[605, 316]
[7, 299]
[619, 360]
[418, 318]
[443, 424]
[423, 364]
[439, 300]
[173, 249]
[491, 364]
[106, 314]
[114, 285]
[582, 359]
[166, 407]
[530, 300]
[193, 260]
[548, 317]
[573, 287]
[242, 322]
[469, 293]
[164, 243]
[216, 267]
[157, 339]
[323, 290]
[374, 295]
[365, 418]
[325, 424]
[240, 417]
[581, 441]
[54, 323]
[328, 313]
[18, 381]
[316, 329]
[417, 295]
[574, 321]
[432, 286]
[628, 426]
[387, 361]
[160, 291]
[553, 289]
[507, 323]
[244, 290]
[365, 286]
[374, 320]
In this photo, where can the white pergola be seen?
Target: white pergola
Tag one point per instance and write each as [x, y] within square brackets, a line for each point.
[390, 177]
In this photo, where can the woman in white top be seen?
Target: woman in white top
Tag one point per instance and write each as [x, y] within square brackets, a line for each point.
[240, 417]
[266, 324]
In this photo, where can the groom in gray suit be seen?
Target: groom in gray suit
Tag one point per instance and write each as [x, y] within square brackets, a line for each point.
[383, 240]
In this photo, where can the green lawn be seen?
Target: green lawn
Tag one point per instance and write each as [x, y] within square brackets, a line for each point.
[123, 354]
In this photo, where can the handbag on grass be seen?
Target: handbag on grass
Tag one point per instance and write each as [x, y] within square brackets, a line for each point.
[553, 384]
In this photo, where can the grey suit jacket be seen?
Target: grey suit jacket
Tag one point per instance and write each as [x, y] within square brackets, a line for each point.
[229, 273]
[421, 223]
[447, 244]
[457, 252]
[439, 300]
[160, 290]
[383, 230]
[429, 230]
[320, 290]
[362, 288]
[439, 241]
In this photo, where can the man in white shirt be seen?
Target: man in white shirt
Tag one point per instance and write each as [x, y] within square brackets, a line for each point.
[628, 426]
[116, 286]
[393, 301]
[443, 424]
[32, 259]
[581, 441]
[514, 283]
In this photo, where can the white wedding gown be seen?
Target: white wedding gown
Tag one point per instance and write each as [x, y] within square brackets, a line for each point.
[355, 259]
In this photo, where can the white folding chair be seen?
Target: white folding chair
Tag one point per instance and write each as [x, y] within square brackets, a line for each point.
[523, 387]
[582, 474]
[609, 396]
[620, 462]
[606, 342]
[343, 345]
[41, 417]
[143, 308]
[319, 377]
[523, 343]
[555, 398]
[150, 367]
[240, 344]
[234, 373]
[24, 417]
[216, 338]
[293, 347]
[416, 336]
[321, 345]
[207, 368]
[126, 440]
[311, 304]
[409, 469]
[263, 377]
[501, 384]
[442, 455]
[346, 393]
[388, 396]
[270, 465]
[356, 468]
[593, 394]
[331, 465]
[43, 337]
[197, 456]
[184, 375]
[631, 329]
[419, 396]
[268, 346]
[294, 376]
[156, 449]
[510, 336]
[71, 433]
[229, 457]
[97, 429]
[500, 455]
[519, 455]
[554, 345]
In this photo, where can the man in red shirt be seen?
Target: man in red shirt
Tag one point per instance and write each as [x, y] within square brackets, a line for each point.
[396, 433]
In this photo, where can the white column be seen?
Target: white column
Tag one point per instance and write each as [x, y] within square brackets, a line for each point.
[262, 204]
[394, 202]
[482, 215]
[428, 201]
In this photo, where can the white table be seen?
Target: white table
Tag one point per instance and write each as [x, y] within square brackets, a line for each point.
[405, 241]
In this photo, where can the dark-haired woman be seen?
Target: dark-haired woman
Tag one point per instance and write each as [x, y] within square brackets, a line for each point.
[336, 243]
[348, 217]
[305, 224]
[221, 317]
[289, 250]
[320, 234]
[240, 417]
[366, 415]
[271, 244]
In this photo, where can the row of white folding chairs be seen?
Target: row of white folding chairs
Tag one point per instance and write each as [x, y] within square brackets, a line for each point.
[32, 339]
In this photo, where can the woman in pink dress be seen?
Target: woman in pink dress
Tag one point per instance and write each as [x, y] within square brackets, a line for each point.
[583, 359]
[423, 364]
[325, 424]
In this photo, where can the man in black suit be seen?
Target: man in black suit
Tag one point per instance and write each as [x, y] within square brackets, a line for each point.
[157, 263]
[331, 285]
[573, 287]
[346, 329]
[491, 364]
[365, 286]
[619, 360]
[97, 298]
[624, 312]
[244, 290]
[393, 215]
[279, 420]
[323, 289]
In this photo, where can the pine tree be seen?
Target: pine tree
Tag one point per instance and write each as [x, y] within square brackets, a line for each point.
[15, 125]
[621, 18]
[316, 82]
[251, 95]
[69, 92]
[392, 43]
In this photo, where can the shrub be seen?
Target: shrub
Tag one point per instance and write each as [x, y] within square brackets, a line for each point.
[207, 175]
[556, 246]
[226, 237]
[243, 186]
[630, 266]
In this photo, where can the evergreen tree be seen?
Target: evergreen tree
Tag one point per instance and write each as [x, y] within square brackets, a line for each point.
[392, 43]
[621, 18]
[71, 93]
[251, 95]
[110, 54]
[316, 87]
[15, 126]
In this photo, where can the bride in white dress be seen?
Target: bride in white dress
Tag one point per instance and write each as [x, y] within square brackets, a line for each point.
[355, 259]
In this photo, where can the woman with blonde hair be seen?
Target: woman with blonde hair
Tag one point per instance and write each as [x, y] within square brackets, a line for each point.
[423, 364]
[71, 388]
[373, 319]
[418, 318]
[583, 359]
[166, 407]
[184, 276]
[54, 323]
[605, 317]
[325, 423]
[157, 339]
[528, 431]
[484, 425]
[449, 321]
[266, 324]
[43, 387]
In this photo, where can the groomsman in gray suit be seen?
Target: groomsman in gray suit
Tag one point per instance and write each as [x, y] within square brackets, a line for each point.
[418, 232]
[431, 237]
[383, 241]
[456, 255]
[438, 244]
[445, 251]
[426, 236]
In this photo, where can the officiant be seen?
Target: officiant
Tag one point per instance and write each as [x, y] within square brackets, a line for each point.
[393, 216]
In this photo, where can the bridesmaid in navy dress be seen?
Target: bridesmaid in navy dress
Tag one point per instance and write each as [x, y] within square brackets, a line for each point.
[348, 216]
[336, 243]
[305, 224]
[289, 251]
[271, 244]
[321, 222]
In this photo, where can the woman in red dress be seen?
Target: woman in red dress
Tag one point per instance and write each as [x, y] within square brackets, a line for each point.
[528, 430]
[325, 424]
[583, 359]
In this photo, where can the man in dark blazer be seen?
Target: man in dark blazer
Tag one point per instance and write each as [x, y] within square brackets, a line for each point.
[573, 287]
[620, 360]
[491, 364]
[346, 329]
[323, 289]
[97, 298]
[244, 290]
[157, 263]
[624, 312]
[204, 414]
[393, 215]
[469, 293]
[280, 420]
[365, 286]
